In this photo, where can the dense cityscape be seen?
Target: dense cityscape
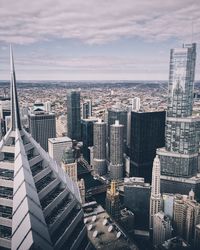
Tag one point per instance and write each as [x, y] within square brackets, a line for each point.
[99, 125]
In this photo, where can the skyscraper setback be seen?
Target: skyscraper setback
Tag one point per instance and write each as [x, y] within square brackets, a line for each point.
[179, 158]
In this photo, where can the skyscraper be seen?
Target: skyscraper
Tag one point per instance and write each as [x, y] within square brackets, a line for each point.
[118, 112]
[179, 158]
[155, 199]
[99, 159]
[39, 204]
[42, 126]
[116, 151]
[186, 216]
[86, 109]
[74, 115]
[147, 134]
[113, 201]
[69, 164]
[135, 104]
[162, 229]
[56, 147]
[87, 136]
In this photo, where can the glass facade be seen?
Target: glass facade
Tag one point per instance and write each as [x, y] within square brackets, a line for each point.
[182, 131]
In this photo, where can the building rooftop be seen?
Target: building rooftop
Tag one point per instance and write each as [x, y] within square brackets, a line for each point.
[102, 230]
[60, 139]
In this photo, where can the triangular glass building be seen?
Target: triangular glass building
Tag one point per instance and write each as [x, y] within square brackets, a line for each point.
[39, 203]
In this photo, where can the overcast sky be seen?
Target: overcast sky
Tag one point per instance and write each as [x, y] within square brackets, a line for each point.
[95, 39]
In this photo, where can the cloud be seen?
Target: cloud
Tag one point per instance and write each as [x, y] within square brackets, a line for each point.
[99, 21]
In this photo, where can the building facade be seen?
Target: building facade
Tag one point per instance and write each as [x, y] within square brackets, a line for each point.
[42, 126]
[74, 115]
[162, 229]
[155, 199]
[99, 150]
[56, 147]
[147, 134]
[179, 158]
[87, 109]
[87, 136]
[116, 151]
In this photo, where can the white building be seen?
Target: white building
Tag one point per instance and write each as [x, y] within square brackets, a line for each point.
[136, 104]
[56, 147]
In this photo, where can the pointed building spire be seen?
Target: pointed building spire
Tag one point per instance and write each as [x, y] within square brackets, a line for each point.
[15, 114]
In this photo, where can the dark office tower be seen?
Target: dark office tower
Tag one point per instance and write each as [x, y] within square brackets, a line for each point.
[118, 112]
[116, 151]
[179, 158]
[39, 204]
[147, 134]
[99, 160]
[86, 109]
[74, 115]
[87, 136]
[42, 126]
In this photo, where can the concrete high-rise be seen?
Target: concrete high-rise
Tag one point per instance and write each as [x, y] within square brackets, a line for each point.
[155, 199]
[179, 158]
[74, 115]
[118, 112]
[186, 216]
[87, 109]
[162, 229]
[135, 104]
[42, 126]
[147, 134]
[39, 204]
[56, 147]
[116, 151]
[99, 160]
[69, 164]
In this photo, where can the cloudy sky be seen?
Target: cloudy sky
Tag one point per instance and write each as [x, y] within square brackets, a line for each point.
[95, 39]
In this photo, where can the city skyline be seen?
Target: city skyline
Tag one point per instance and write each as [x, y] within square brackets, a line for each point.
[114, 41]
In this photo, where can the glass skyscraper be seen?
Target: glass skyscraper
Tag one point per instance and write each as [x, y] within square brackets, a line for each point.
[74, 115]
[179, 158]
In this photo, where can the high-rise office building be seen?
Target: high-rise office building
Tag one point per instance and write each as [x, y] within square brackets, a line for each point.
[113, 201]
[42, 126]
[39, 204]
[56, 147]
[147, 134]
[155, 199]
[69, 164]
[118, 112]
[179, 158]
[186, 216]
[99, 159]
[74, 115]
[87, 136]
[47, 106]
[162, 229]
[116, 151]
[136, 199]
[135, 104]
[86, 109]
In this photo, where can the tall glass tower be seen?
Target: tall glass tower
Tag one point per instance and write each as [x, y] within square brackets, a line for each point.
[179, 158]
[74, 115]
